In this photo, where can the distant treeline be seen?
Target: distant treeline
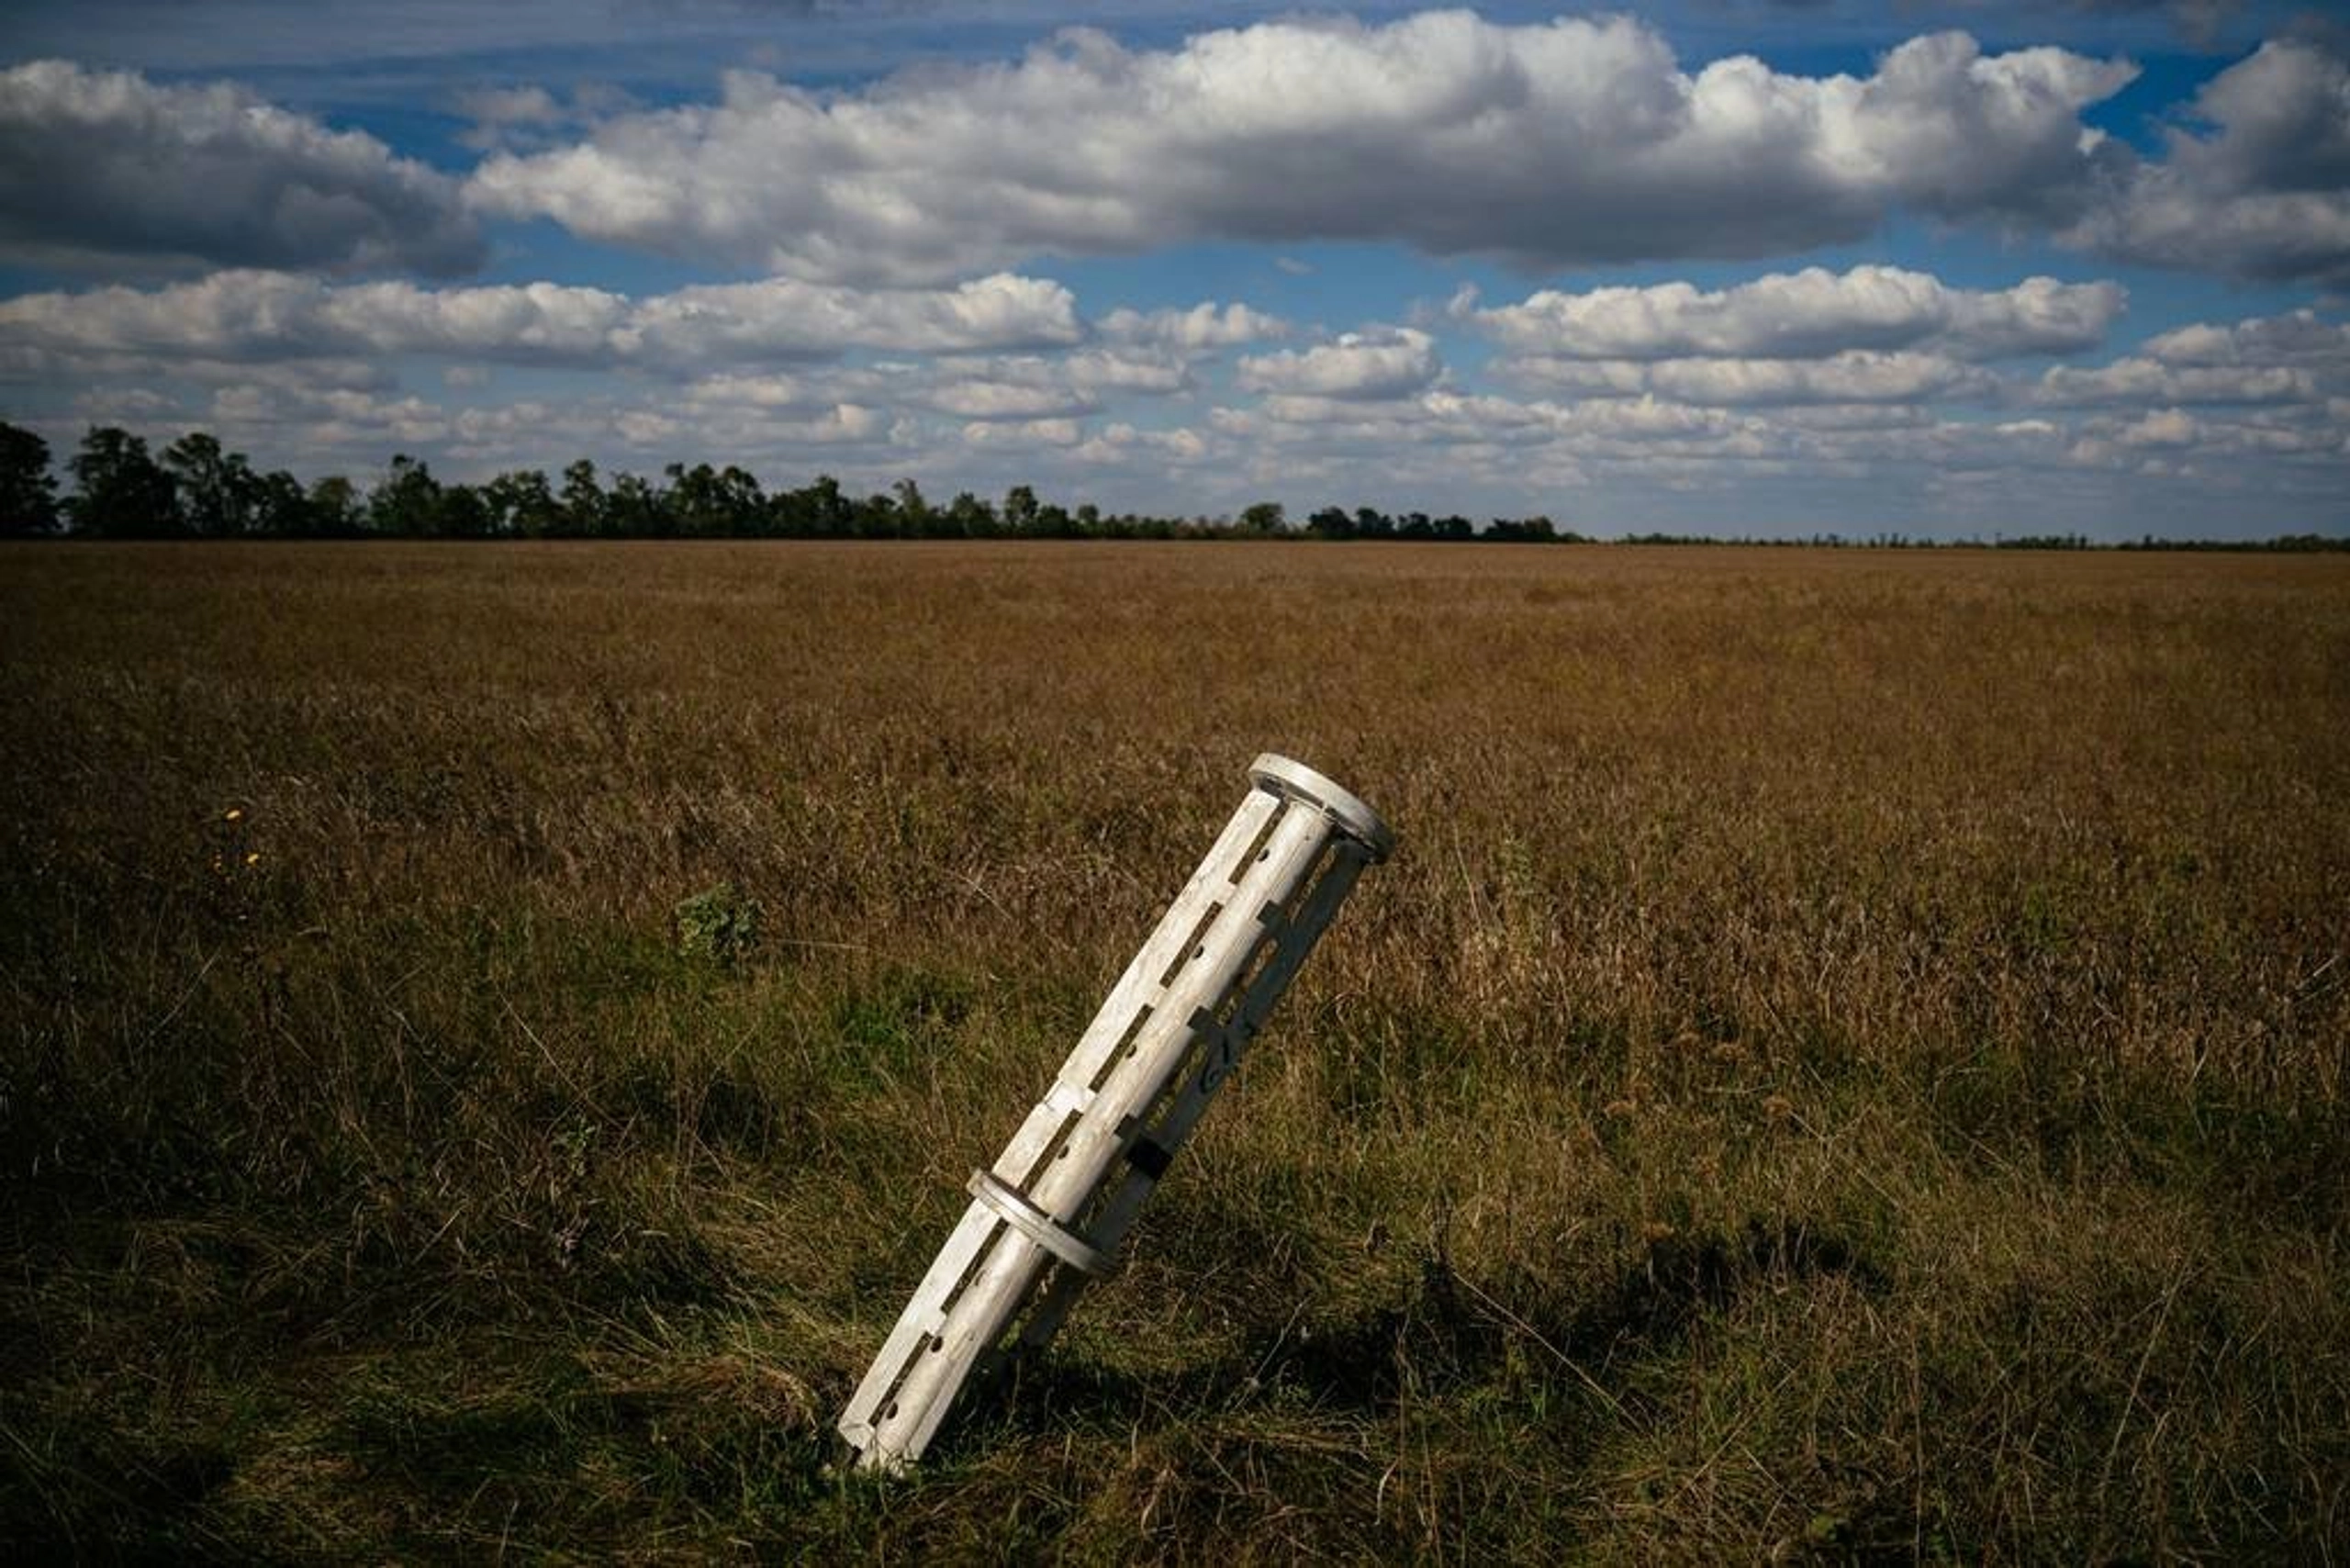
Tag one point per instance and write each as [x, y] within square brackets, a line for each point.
[197, 489]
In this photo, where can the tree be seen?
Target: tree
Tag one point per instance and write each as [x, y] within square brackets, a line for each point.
[217, 489]
[28, 490]
[521, 503]
[634, 510]
[1330, 523]
[407, 503]
[742, 499]
[1520, 531]
[876, 516]
[817, 509]
[1019, 509]
[696, 509]
[462, 514]
[1265, 517]
[916, 517]
[335, 510]
[121, 492]
[697, 503]
[583, 501]
[969, 515]
[707, 504]
[279, 506]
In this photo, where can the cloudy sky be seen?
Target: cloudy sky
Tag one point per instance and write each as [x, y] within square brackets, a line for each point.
[1739, 265]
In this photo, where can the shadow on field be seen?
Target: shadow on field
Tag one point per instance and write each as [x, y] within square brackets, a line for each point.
[1450, 1334]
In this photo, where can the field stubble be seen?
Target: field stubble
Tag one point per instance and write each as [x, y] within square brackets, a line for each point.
[1850, 1060]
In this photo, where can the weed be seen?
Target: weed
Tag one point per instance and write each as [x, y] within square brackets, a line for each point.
[720, 924]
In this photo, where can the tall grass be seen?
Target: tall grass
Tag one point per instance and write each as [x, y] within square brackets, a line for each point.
[1850, 1060]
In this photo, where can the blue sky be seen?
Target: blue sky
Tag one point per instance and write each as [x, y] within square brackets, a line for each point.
[1734, 265]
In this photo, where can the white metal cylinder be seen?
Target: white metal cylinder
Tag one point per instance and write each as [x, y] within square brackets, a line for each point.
[1052, 1210]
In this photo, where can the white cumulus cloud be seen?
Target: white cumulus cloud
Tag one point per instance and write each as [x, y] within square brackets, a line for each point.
[2163, 427]
[1808, 314]
[2263, 194]
[2135, 378]
[1202, 327]
[2296, 338]
[1564, 141]
[1383, 363]
[107, 166]
[254, 316]
[1860, 375]
[2295, 358]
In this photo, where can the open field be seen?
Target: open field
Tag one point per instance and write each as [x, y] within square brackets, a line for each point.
[1853, 1057]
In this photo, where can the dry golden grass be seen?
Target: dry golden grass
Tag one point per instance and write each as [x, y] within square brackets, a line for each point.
[1850, 1060]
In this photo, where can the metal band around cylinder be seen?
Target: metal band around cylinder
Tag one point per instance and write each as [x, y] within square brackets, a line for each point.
[1295, 781]
[1037, 1225]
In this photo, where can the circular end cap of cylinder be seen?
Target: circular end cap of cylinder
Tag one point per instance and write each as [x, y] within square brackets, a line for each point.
[1295, 781]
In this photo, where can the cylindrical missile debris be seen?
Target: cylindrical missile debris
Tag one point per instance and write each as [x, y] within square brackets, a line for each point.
[1049, 1214]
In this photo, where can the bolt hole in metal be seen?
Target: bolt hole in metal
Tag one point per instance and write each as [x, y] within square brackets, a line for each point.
[1292, 851]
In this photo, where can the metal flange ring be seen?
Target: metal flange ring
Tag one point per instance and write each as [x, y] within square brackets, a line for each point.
[1293, 780]
[1037, 1225]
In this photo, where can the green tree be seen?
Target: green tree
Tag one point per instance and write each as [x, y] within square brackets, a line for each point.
[28, 490]
[335, 508]
[916, 518]
[279, 506]
[636, 510]
[876, 516]
[463, 513]
[693, 500]
[216, 488]
[1521, 531]
[583, 501]
[709, 504]
[121, 492]
[407, 503]
[817, 509]
[521, 503]
[967, 515]
[1265, 517]
[743, 499]
[1019, 509]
